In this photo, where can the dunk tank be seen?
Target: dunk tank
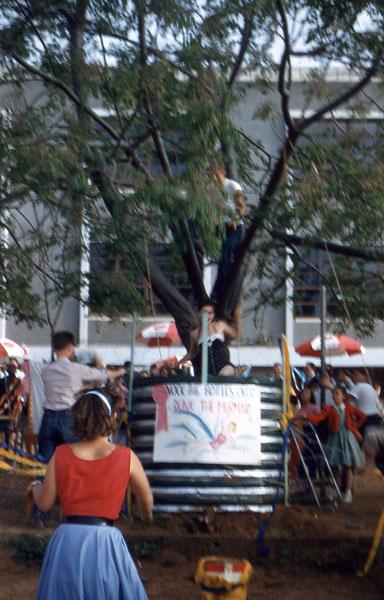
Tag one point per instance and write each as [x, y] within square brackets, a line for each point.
[216, 444]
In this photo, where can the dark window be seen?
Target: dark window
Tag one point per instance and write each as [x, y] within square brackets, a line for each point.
[119, 291]
[352, 273]
[308, 283]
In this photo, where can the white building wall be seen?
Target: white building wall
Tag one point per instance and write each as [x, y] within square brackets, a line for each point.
[112, 340]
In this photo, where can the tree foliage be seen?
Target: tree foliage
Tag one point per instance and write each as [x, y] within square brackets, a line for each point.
[114, 113]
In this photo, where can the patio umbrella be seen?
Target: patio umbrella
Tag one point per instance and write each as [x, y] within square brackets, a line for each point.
[159, 334]
[10, 348]
[335, 345]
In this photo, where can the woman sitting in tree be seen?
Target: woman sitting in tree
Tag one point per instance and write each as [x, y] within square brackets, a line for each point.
[219, 331]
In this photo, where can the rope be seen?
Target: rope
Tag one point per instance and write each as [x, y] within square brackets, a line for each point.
[345, 306]
[380, 525]
[152, 302]
[375, 545]
[262, 548]
[286, 429]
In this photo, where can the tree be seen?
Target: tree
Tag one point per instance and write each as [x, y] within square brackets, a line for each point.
[116, 112]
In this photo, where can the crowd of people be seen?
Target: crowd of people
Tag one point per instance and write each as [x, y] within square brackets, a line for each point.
[347, 412]
[13, 400]
[88, 473]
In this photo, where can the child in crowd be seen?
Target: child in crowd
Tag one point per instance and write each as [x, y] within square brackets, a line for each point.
[342, 446]
[307, 441]
[87, 556]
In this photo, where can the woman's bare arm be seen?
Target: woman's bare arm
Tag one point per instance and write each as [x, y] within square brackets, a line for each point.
[241, 203]
[192, 347]
[44, 495]
[227, 330]
[141, 488]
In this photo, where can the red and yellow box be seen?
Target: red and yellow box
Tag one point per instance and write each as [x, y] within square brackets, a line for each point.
[223, 578]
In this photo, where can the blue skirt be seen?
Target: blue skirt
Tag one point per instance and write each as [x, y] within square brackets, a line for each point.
[342, 449]
[89, 562]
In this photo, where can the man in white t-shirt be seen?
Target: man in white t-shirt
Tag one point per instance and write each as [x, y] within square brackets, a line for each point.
[235, 207]
[366, 397]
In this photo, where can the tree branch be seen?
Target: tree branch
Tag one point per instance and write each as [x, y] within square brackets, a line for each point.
[343, 98]
[285, 67]
[245, 37]
[172, 299]
[58, 83]
[157, 139]
[316, 270]
[353, 251]
[237, 271]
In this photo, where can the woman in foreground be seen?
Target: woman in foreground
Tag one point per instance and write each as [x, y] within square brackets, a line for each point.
[87, 557]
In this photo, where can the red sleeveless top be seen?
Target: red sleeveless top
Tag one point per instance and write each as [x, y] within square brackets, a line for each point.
[92, 487]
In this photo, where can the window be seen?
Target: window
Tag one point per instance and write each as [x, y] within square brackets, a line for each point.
[135, 289]
[335, 177]
[307, 286]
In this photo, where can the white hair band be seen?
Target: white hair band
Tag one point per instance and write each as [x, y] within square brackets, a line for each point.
[102, 398]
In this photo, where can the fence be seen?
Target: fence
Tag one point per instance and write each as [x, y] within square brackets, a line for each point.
[190, 487]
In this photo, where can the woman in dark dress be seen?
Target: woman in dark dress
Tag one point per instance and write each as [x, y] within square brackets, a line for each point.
[219, 362]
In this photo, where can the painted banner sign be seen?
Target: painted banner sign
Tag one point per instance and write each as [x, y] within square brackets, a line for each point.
[214, 423]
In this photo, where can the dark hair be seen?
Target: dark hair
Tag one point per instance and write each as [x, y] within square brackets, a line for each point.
[361, 372]
[91, 418]
[62, 339]
[311, 388]
[346, 372]
[342, 389]
[312, 365]
[13, 359]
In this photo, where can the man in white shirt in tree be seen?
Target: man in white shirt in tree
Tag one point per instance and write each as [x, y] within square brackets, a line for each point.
[62, 380]
[235, 208]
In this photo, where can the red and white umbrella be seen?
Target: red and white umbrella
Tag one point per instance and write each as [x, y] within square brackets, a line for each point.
[10, 348]
[159, 334]
[335, 345]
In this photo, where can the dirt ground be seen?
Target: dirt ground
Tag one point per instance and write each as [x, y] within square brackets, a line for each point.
[313, 553]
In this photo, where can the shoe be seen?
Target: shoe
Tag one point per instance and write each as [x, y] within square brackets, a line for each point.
[347, 497]
[332, 495]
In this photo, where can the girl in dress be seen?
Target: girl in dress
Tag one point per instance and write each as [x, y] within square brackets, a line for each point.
[87, 556]
[342, 446]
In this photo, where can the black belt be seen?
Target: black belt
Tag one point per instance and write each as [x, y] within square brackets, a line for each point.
[85, 520]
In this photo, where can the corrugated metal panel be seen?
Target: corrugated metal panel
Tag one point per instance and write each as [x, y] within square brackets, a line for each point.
[184, 508]
[182, 487]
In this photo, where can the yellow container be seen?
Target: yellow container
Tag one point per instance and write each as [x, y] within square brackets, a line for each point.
[223, 578]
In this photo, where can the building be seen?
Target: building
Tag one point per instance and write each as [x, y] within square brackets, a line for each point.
[299, 320]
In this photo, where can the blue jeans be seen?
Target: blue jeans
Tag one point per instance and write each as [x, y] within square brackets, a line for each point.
[55, 429]
[233, 239]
